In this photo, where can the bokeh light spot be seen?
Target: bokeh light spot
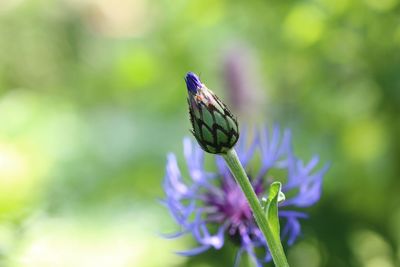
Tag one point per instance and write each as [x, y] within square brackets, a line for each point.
[335, 6]
[381, 5]
[370, 248]
[304, 25]
[18, 178]
[305, 254]
[136, 69]
[365, 140]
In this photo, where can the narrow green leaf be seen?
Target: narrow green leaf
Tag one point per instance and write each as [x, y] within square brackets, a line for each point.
[271, 207]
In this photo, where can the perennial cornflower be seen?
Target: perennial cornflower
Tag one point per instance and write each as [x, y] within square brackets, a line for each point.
[227, 202]
[210, 206]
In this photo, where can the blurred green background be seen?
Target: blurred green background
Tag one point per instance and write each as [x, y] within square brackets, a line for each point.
[92, 98]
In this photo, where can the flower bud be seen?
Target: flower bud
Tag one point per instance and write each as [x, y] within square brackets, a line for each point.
[214, 126]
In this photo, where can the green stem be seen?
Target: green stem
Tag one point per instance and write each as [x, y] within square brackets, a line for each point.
[274, 244]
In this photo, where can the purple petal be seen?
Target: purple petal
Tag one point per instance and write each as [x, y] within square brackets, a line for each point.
[245, 152]
[292, 230]
[194, 251]
[173, 176]
[297, 214]
[274, 150]
[204, 237]
[174, 235]
[274, 141]
[312, 164]
[194, 158]
[310, 188]
[221, 166]
[286, 142]
[238, 257]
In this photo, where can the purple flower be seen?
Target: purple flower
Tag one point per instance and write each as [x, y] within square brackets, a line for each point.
[212, 208]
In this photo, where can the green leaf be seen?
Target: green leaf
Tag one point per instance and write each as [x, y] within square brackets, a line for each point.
[271, 207]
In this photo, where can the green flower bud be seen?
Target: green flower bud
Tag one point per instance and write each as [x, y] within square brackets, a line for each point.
[214, 126]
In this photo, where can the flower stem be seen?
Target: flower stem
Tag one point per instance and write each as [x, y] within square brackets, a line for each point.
[274, 244]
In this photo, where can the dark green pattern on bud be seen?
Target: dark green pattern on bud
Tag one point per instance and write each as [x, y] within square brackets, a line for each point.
[214, 126]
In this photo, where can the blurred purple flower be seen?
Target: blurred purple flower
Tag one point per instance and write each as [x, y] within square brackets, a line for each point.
[244, 82]
[211, 207]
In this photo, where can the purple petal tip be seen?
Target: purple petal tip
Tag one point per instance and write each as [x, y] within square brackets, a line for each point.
[192, 82]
